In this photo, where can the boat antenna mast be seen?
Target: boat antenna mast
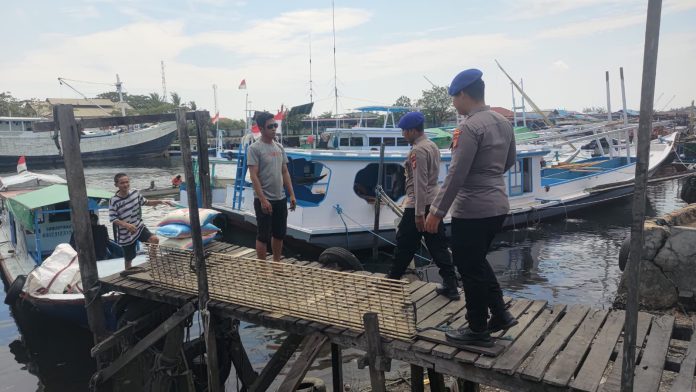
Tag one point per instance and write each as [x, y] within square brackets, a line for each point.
[164, 84]
[525, 96]
[333, 25]
[63, 81]
[119, 88]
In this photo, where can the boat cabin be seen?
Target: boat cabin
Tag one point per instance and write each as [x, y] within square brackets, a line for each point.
[39, 220]
[18, 124]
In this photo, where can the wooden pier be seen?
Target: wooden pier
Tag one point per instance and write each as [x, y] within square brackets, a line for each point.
[553, 348]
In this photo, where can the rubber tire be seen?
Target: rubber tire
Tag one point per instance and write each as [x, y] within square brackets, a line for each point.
[341, 257]
[15, 290]
[312, 384]
[624, 252]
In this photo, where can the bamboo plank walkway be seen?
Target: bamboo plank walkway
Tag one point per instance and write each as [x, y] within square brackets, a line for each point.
[553, 348]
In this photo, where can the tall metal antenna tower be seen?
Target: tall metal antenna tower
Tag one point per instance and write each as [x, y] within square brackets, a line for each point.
[164, 84]
[311, 89]
[333, 23]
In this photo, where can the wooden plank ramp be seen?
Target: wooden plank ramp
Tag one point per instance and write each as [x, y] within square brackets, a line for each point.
[553, 347]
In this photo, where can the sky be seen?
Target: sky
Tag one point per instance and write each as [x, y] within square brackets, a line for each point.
[384, 49]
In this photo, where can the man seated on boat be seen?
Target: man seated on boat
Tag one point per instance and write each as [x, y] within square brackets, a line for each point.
[100, 236]
[268, 169]
[483, 149]
[126, 214]
[422, 167]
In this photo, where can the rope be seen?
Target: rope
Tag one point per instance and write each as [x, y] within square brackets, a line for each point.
[340, 212]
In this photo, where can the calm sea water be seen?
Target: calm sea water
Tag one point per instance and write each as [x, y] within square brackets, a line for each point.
[571, 260]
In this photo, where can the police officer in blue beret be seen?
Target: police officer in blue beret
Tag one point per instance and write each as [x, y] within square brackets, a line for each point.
[422, 168]
[474, 192]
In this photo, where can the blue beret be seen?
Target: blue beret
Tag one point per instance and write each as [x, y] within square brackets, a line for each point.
[464, 79]
[411, 120]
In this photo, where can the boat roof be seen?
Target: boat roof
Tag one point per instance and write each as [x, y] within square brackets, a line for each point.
[28, 180]
[23, 205]
[53, 194]
[391, 155]
[388, 109]
[4, 118]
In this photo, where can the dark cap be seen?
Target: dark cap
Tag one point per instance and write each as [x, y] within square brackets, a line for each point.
[411, 120]
[463, 80]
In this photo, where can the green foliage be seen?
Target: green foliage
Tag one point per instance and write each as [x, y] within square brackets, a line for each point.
[192, 105]
[10, 106]
[436, 105]
[594, 109]
[176, 99]
[403, 101]
[229, 124]
[142, 104]
[326, 115]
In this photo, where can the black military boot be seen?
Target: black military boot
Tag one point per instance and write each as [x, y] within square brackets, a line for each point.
[449, 289]
[501, 321]
[467, 336]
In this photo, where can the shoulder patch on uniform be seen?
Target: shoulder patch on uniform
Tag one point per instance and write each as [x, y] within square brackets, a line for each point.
[455, 138]
[412, 156]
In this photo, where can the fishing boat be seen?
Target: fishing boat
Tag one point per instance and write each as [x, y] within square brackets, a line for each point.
[34, 222]
[335, 190]
[17, 138]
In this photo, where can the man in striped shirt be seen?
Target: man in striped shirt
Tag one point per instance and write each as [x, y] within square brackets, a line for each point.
[126, 215]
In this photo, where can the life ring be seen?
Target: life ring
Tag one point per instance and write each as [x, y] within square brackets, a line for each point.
[624, 252]
[311, 384]
[341, 257]
[15, 290]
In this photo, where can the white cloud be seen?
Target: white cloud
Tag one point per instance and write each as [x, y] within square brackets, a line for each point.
[82, 12]
[539, 9]
[559, 65]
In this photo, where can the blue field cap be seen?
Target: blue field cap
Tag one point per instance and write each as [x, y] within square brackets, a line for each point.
[411, 120]
[464, 79]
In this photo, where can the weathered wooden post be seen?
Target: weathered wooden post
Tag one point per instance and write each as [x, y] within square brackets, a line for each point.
[337, 367]
[201, 273]
[417, 379]
[82, 228]
[380, 182]
[203, 163]
[647, 95]
[375, 355]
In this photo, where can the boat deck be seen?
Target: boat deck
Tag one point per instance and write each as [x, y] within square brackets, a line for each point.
[555, 347]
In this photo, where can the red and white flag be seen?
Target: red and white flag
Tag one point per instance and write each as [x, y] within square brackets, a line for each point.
[21, 164]
[242, 85]
[216, 118]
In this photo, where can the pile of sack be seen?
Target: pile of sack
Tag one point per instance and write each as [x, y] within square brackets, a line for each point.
[176, 228]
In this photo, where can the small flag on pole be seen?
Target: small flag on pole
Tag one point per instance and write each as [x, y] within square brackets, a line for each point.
[21, 164]
[242, 85]
[216, 118]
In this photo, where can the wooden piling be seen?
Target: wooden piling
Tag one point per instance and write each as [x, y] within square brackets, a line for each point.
[82, 228]
[199, 257]
[336, 367]
[202, 118]
[417, 379]
[380, 182]
[652, 38]
[374, 349]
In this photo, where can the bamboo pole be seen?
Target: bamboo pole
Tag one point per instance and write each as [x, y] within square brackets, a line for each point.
[199, 257]
[74, 172]
[652, 38]
[202, 119]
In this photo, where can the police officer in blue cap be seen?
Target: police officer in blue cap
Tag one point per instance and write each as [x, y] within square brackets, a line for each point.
[422, 168]
[474, 192]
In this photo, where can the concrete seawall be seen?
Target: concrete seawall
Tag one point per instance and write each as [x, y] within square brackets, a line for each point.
[668, 265]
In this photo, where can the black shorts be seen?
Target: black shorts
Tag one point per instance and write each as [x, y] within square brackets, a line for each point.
[274, 224]
[129, 250]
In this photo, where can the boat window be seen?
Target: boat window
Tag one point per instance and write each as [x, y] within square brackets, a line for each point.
[520, 177]
[366, 179]
[310, 181]
[344, 141]
[389, 141]
[356, 141]
[375, 141]
[401, 142]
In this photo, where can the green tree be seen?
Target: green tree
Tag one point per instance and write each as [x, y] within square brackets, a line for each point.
[594, 109]
[176, 99]
[436, 105]
[326, 115]
[403, 101]
[192, 105]
[10, 106]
